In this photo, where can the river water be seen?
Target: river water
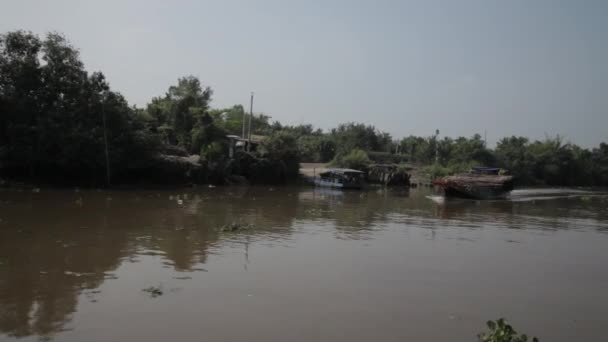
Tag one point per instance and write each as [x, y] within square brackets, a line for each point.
[306, 265]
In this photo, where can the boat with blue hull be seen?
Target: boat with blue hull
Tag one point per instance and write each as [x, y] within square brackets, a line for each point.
[340, 178]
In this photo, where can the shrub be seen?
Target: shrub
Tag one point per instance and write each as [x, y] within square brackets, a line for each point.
[281, 148]
[215, 151]
[356, 159]
[386, 157]
[437, 170]
[500, 331]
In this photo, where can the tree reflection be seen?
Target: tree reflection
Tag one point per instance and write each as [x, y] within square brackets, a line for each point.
[57, 246]
[50, 258]
[354, 213]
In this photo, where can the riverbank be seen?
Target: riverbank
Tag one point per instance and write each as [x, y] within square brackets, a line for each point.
[418, 177]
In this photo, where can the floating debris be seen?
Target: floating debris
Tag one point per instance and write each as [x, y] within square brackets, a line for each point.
[91, 295]
[154, 291]
[36, 190]
[180, 202]
[235, 227]
[108, 276]
[314, 211]
[182, 278]
[78, 274]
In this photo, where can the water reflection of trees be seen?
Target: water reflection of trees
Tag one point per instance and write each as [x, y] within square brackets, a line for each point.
[49, 257]
[356, 215]
[184, 233]
[55, 247]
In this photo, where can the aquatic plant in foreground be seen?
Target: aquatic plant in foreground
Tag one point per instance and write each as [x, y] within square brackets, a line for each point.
[501, 331]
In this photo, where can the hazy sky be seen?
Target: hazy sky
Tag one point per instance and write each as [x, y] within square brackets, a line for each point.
[408, 67]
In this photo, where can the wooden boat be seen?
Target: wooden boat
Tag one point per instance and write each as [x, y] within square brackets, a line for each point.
[479, 183]
[340, 178]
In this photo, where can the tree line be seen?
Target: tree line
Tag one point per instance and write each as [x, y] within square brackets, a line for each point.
[57, 120]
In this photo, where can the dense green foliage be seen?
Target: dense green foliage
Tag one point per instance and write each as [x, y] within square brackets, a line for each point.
[553, 162]
[501, 331]
[357, 159]
[542, 162]
[51, 122]
[52, 114]
[281, 147]
[231, 121]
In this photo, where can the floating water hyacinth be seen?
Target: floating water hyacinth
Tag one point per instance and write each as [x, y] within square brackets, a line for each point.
[154, 291]
[501, 331]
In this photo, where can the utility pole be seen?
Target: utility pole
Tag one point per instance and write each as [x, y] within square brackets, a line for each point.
[437, 146]
[250, 119]
[485, 138]
[105, 139]
[244, 120]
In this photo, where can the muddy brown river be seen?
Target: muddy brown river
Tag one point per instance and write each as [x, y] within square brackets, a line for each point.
[300, 264]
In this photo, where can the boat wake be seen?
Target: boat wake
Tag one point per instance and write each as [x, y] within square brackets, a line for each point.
[437, 199]
[526, 195]
[529, 195]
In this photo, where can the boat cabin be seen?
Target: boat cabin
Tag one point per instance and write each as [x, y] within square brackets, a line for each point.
[491, 171]
[341, 178]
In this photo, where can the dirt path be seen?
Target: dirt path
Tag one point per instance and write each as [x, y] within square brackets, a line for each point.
[310, 169]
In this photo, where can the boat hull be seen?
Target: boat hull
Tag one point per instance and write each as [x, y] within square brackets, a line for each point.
[476, 186]
[330, 184]
[477, 193]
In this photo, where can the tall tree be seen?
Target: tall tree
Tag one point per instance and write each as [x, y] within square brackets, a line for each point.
[51, 125]
[180, 109]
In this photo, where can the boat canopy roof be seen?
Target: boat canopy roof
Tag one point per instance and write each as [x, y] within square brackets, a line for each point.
[486, 169]
[343, 171]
